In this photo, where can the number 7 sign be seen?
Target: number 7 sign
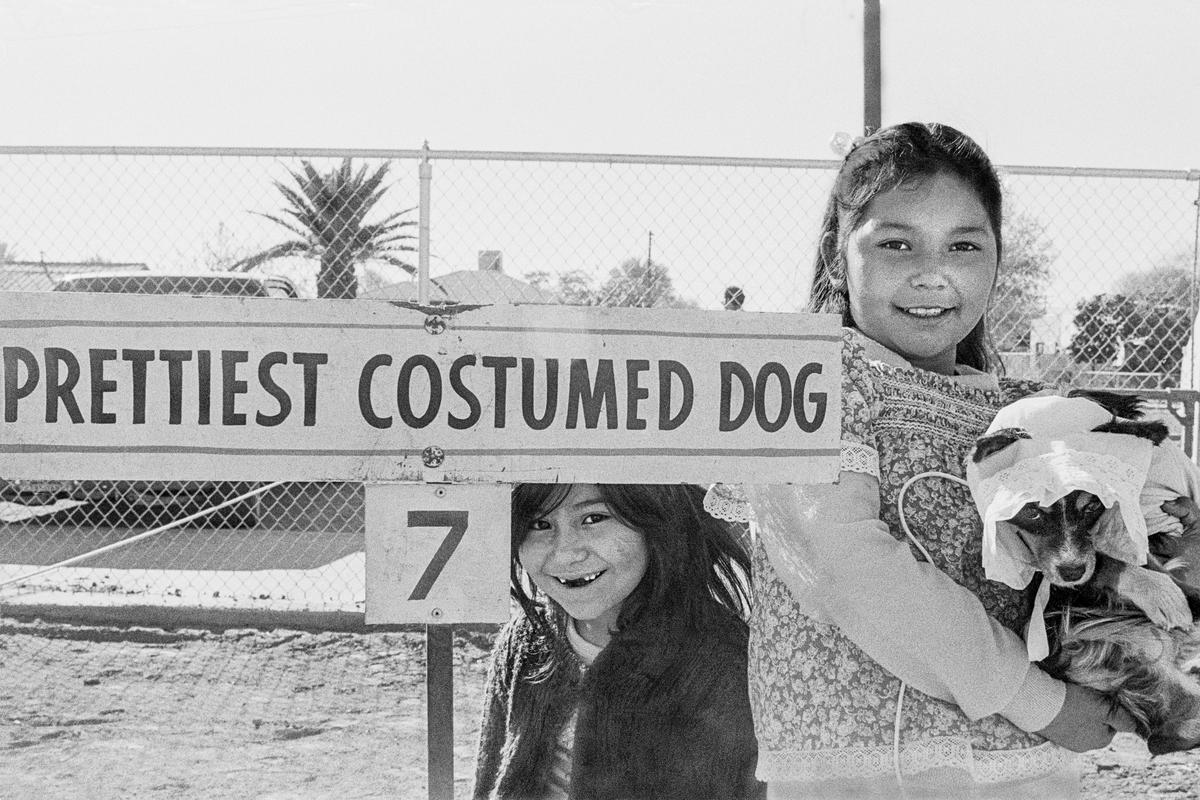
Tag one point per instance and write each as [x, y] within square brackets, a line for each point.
[437, 553]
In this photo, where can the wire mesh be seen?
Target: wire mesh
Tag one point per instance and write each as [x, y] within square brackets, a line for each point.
[1097, 287]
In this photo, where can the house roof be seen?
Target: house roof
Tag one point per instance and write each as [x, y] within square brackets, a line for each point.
[467, 286]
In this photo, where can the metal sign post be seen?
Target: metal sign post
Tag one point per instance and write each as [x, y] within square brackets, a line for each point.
[439, 712]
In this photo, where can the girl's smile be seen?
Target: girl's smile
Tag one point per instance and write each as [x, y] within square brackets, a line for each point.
[586, 560]
[920, 269]
[584, 580]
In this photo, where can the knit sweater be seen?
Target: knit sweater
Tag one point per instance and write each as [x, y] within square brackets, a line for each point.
[663, 713]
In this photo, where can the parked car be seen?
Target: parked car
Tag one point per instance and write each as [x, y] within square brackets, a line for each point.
[226, 284]
[153, 503]
[138, 503]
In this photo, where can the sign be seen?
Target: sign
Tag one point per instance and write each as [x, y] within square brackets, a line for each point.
[150, 387]
[437, 553]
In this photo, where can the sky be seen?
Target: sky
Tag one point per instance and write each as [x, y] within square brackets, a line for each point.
[1094, 83]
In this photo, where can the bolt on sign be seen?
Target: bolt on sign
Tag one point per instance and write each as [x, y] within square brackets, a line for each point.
[186, 388]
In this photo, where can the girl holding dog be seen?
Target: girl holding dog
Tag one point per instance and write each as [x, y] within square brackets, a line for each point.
[874, 673]
[624, 674]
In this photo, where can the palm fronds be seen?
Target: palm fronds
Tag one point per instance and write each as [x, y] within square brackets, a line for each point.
[327, 213]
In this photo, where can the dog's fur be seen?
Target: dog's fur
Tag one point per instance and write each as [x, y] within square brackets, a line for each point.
[1112, 626]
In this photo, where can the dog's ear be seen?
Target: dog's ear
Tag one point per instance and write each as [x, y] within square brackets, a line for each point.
[995, 442]
[1153, 430]
[1128, 406]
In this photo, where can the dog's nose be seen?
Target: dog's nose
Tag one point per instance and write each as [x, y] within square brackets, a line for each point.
[1071, 572]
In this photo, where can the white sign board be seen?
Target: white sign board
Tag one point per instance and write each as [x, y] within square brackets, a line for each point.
[151, 387]
[437, 553]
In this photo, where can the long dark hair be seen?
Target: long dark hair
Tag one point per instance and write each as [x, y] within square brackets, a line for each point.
[912, 151]
[693, 558]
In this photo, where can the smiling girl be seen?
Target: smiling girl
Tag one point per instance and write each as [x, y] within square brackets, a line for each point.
[880, 668]
[624, 674]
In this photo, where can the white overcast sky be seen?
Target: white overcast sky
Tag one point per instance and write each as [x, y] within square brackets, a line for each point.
[1107, 83]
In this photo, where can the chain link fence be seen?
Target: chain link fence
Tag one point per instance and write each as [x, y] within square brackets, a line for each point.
[1098, 288]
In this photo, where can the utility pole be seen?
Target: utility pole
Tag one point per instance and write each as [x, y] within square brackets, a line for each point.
[872, 68]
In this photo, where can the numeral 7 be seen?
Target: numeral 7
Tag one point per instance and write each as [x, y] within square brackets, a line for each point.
[457, 522]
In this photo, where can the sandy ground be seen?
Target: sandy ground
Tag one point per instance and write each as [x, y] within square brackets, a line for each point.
[108, 713]
[132, 713]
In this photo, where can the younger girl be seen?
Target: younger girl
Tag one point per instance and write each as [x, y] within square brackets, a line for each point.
[878, 669]
[624, 675]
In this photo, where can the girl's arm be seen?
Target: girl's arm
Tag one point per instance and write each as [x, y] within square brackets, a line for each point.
[829, 547]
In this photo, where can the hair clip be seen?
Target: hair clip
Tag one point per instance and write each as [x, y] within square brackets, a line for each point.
[843, 144]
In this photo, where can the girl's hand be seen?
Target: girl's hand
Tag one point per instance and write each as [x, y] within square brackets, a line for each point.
[1185, 547]
[1087, 721]
[1188, 512]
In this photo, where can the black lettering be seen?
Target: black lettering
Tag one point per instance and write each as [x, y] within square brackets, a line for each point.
[273, 359]
[138, 359]
[820, 400]
[668, 369]
[634, 393]
[460, 389]
[175, 359]
[760, 396]
[364, 391]
[15, 389]
[97, 358]
[203, 387]
[231, 386]
[61, 389]
[729, 371]
[531, 419]
[582, 393]
[404, 386]
[500, 366]
[309, 363]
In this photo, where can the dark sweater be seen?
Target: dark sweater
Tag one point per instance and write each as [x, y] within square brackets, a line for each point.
[663, 713]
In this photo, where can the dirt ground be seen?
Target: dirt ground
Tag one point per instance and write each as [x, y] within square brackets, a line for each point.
[140, 713]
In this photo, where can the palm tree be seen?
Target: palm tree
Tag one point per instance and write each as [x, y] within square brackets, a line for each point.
[328, 213]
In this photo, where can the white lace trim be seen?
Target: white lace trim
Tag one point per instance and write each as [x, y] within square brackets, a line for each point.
[728, 501]
[984, 766]
[856, 457]
[1044, 476]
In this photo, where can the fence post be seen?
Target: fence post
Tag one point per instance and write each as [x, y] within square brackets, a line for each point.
[439, 709]
[1194, 175]
[872, 68]
[425, 176]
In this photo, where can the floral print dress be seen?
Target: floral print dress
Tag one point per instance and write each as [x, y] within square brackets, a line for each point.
[824, 709]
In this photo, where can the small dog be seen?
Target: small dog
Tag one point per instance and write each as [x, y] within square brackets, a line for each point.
[1119, 628]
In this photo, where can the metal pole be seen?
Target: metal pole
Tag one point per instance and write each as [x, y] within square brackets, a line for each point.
[425, 175]
[439, 711]
[1192, 288]
[872, 68]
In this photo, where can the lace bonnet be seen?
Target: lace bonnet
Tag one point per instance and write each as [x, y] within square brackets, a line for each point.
[1062, 456]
